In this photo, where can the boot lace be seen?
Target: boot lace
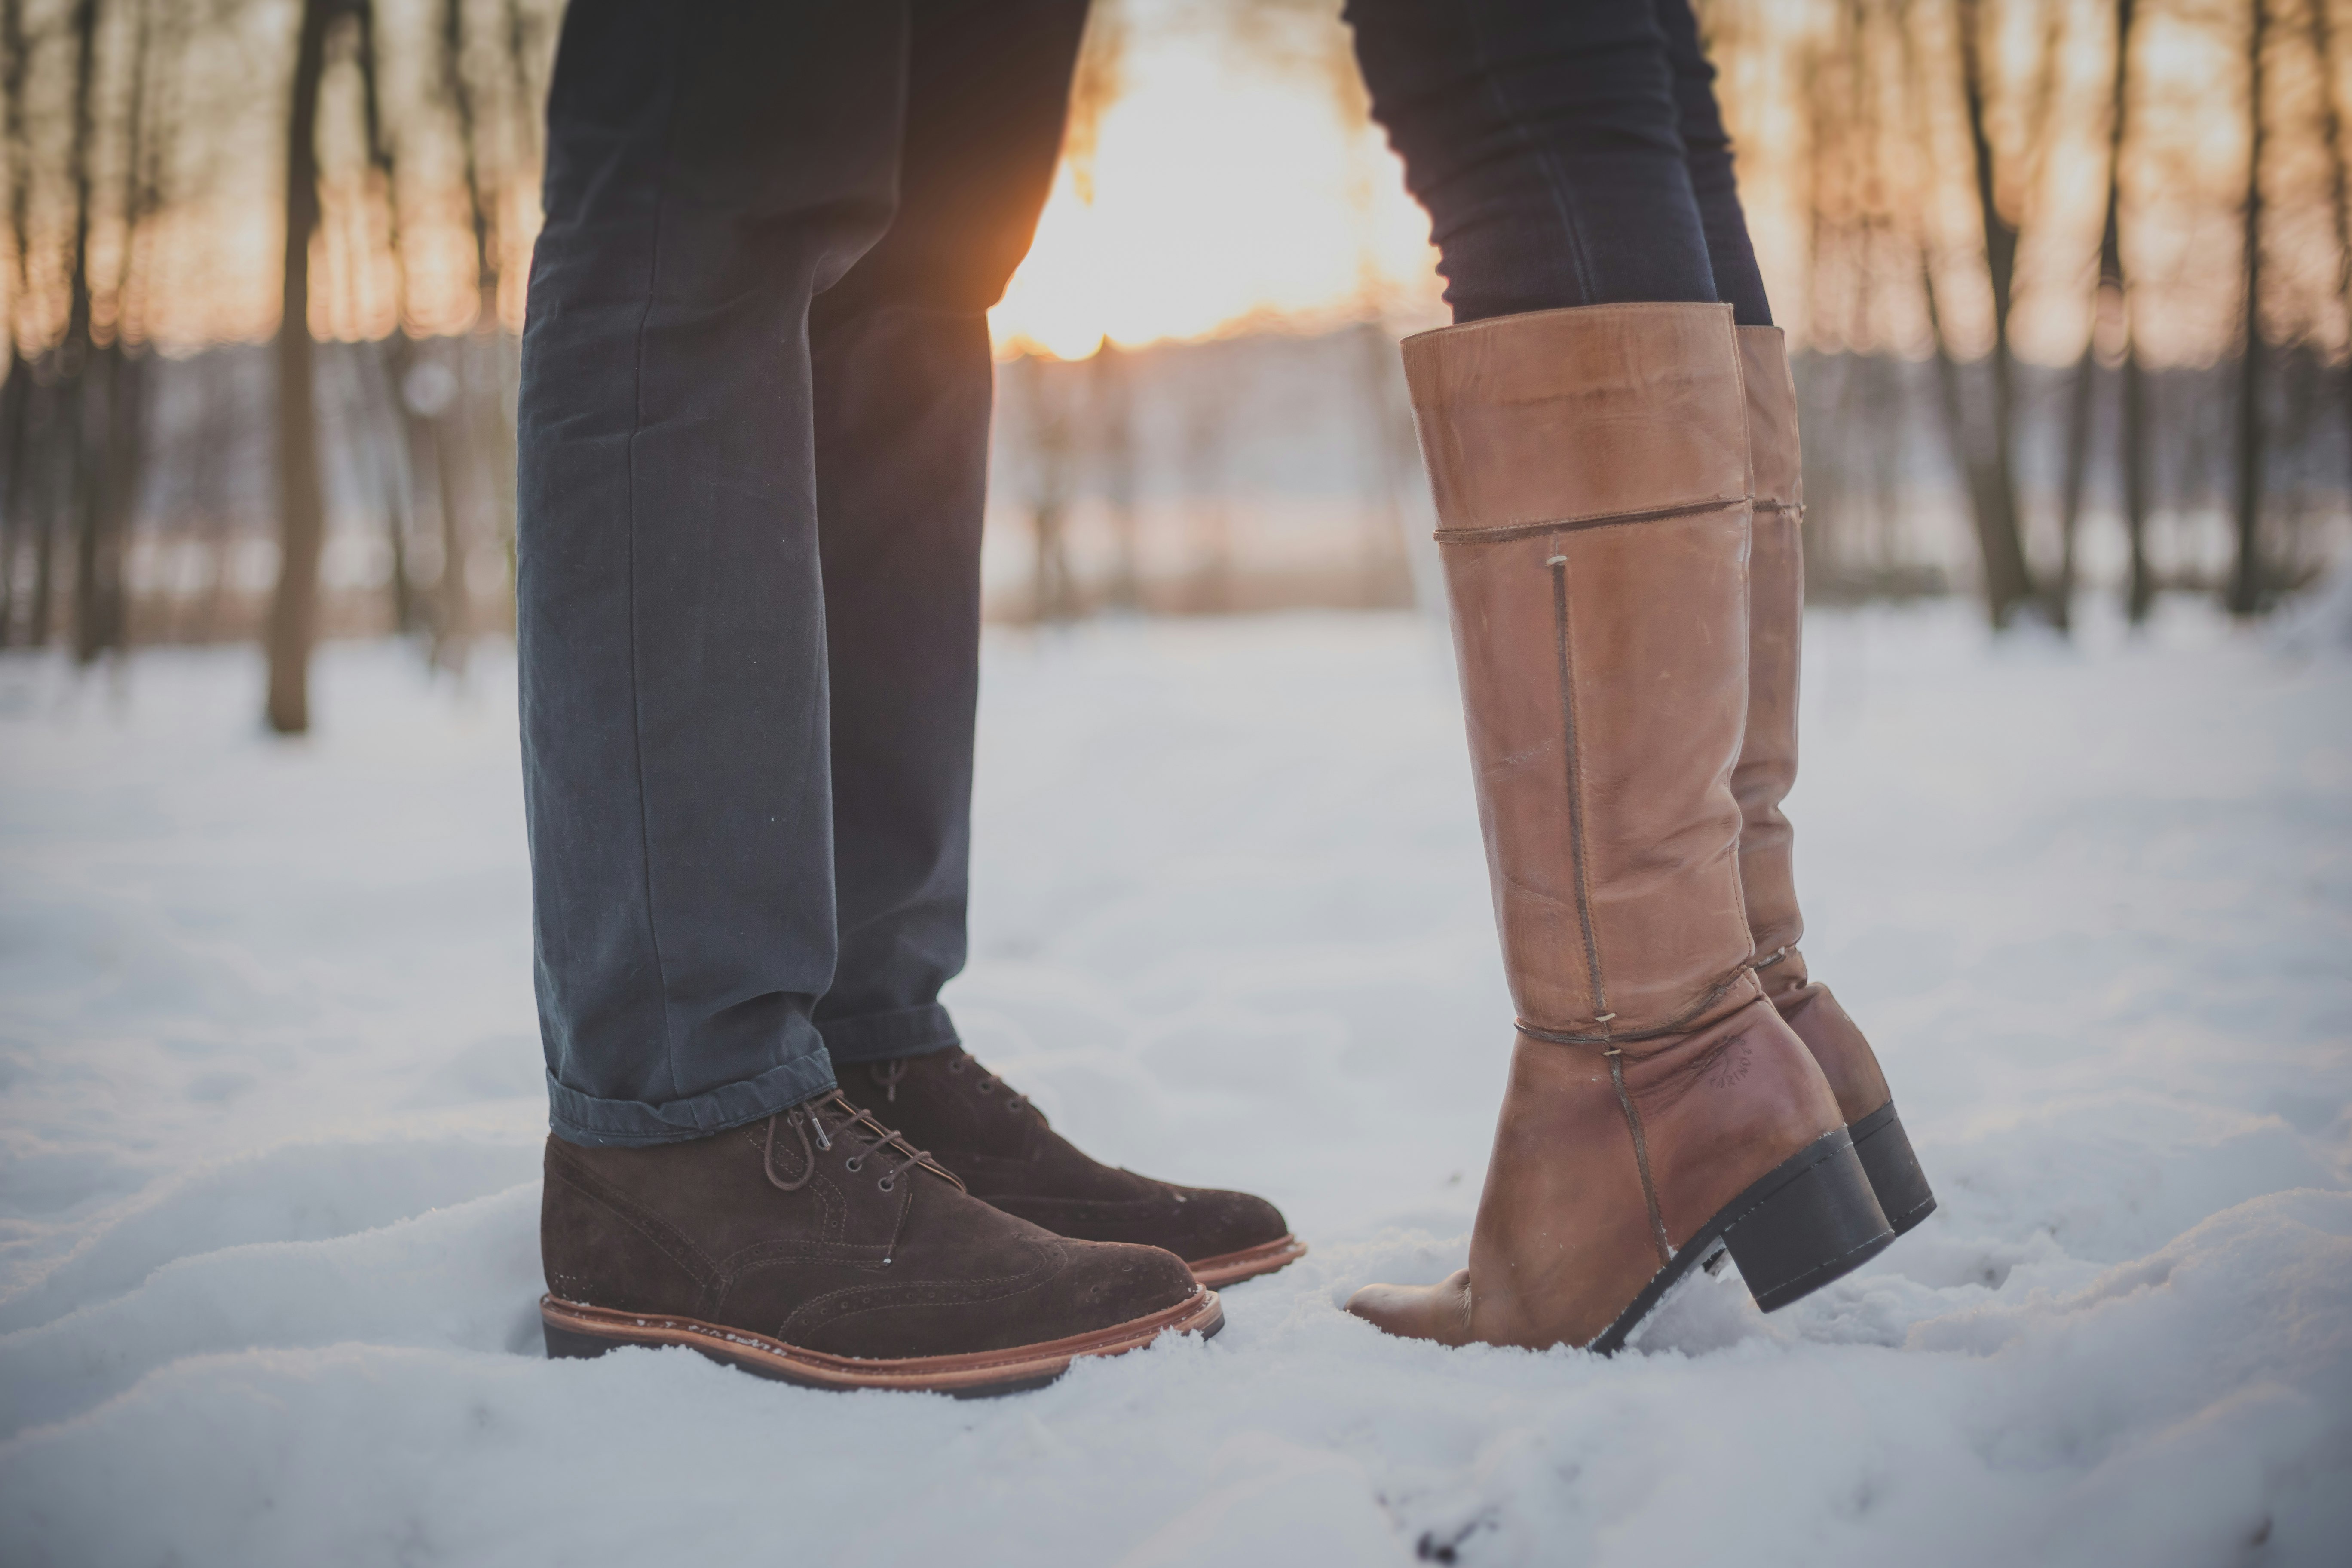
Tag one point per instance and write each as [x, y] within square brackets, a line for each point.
[850, 1127]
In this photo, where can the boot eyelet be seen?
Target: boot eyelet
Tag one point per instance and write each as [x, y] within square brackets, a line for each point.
[853, 1163]
[887, 1183]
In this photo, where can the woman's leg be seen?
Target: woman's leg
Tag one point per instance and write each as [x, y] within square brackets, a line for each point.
[1776, 605]
[1707, 150]
[1546, 141]
[1588, 438]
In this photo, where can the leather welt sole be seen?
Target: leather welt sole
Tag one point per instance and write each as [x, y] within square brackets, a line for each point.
[574, 1329]
[1809, 1220]
[1250, 1262]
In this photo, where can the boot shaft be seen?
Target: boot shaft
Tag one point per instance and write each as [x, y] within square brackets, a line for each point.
[1776, 572]
[1591, 473]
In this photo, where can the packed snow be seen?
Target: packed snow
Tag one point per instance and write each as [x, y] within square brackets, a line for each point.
[270, 1118]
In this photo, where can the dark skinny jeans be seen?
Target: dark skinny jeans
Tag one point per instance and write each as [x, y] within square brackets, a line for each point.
[754, 431]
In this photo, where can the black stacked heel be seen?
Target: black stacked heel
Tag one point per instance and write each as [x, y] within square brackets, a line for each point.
[1893, 1170]
[1809, 1220]
[1814, 1219]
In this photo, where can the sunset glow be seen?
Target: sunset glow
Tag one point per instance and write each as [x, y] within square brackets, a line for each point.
[1221, 196]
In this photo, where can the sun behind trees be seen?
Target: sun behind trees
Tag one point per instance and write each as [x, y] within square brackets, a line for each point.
[2071, 281]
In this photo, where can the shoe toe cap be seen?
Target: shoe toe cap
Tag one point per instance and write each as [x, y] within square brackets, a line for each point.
[1110, 1281]
[1210, 1222]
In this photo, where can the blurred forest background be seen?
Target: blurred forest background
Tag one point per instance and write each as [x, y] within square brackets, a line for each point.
[2070, 281]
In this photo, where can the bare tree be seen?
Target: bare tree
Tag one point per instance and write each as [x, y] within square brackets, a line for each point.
[2247, 586]
[390, 361]
[2340, 182]
[2009, 582]
[1110, 404]
[17, 405]
[1046, 395]
[301, 504]
[74, 456]
[2110, 319]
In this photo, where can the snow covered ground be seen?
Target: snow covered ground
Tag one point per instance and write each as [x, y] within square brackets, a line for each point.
[269, 1115]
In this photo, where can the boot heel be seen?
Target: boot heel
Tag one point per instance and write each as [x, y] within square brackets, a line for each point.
[1885, 1149]
[1812, 1220]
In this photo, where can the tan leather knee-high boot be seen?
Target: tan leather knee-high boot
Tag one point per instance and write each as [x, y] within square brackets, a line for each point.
[1591, 474]
[1768, 768]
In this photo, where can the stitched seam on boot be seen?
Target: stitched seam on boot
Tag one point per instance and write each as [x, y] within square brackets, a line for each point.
[830, 1197]
[654, 1229]
[1641, 1155]
[969, 1293]
[1679, 1024]
[1510, 530]
[1558, 565]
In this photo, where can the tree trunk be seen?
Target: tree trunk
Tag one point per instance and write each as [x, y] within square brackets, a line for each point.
[301, 507]
[454, 623]
[2140, 594]
[392, 358]
[113, 394]
[484, 402]
[16, 398]
[41, 487]
[2109, 310]
[2247, 587]
[2009, 582]
[2339, 190]
[74, 464]
[1112, 407]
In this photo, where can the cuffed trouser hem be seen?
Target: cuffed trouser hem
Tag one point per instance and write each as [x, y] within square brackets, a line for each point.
[875, 1036]
[577, 1118]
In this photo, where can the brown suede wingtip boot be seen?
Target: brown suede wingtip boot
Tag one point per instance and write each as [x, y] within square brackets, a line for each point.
[819, 1247]
[1591, 474]
[1768, 769]
[1003, 1150]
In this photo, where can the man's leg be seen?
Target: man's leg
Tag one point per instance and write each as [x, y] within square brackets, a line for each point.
[710, 168]
[903, 386]
[903, 382]
[713, 167]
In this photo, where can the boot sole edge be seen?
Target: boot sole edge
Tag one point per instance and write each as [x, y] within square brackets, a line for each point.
[1229, 1267]
[575, 1330]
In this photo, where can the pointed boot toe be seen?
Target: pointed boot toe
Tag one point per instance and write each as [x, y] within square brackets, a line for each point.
[1439, 1312]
